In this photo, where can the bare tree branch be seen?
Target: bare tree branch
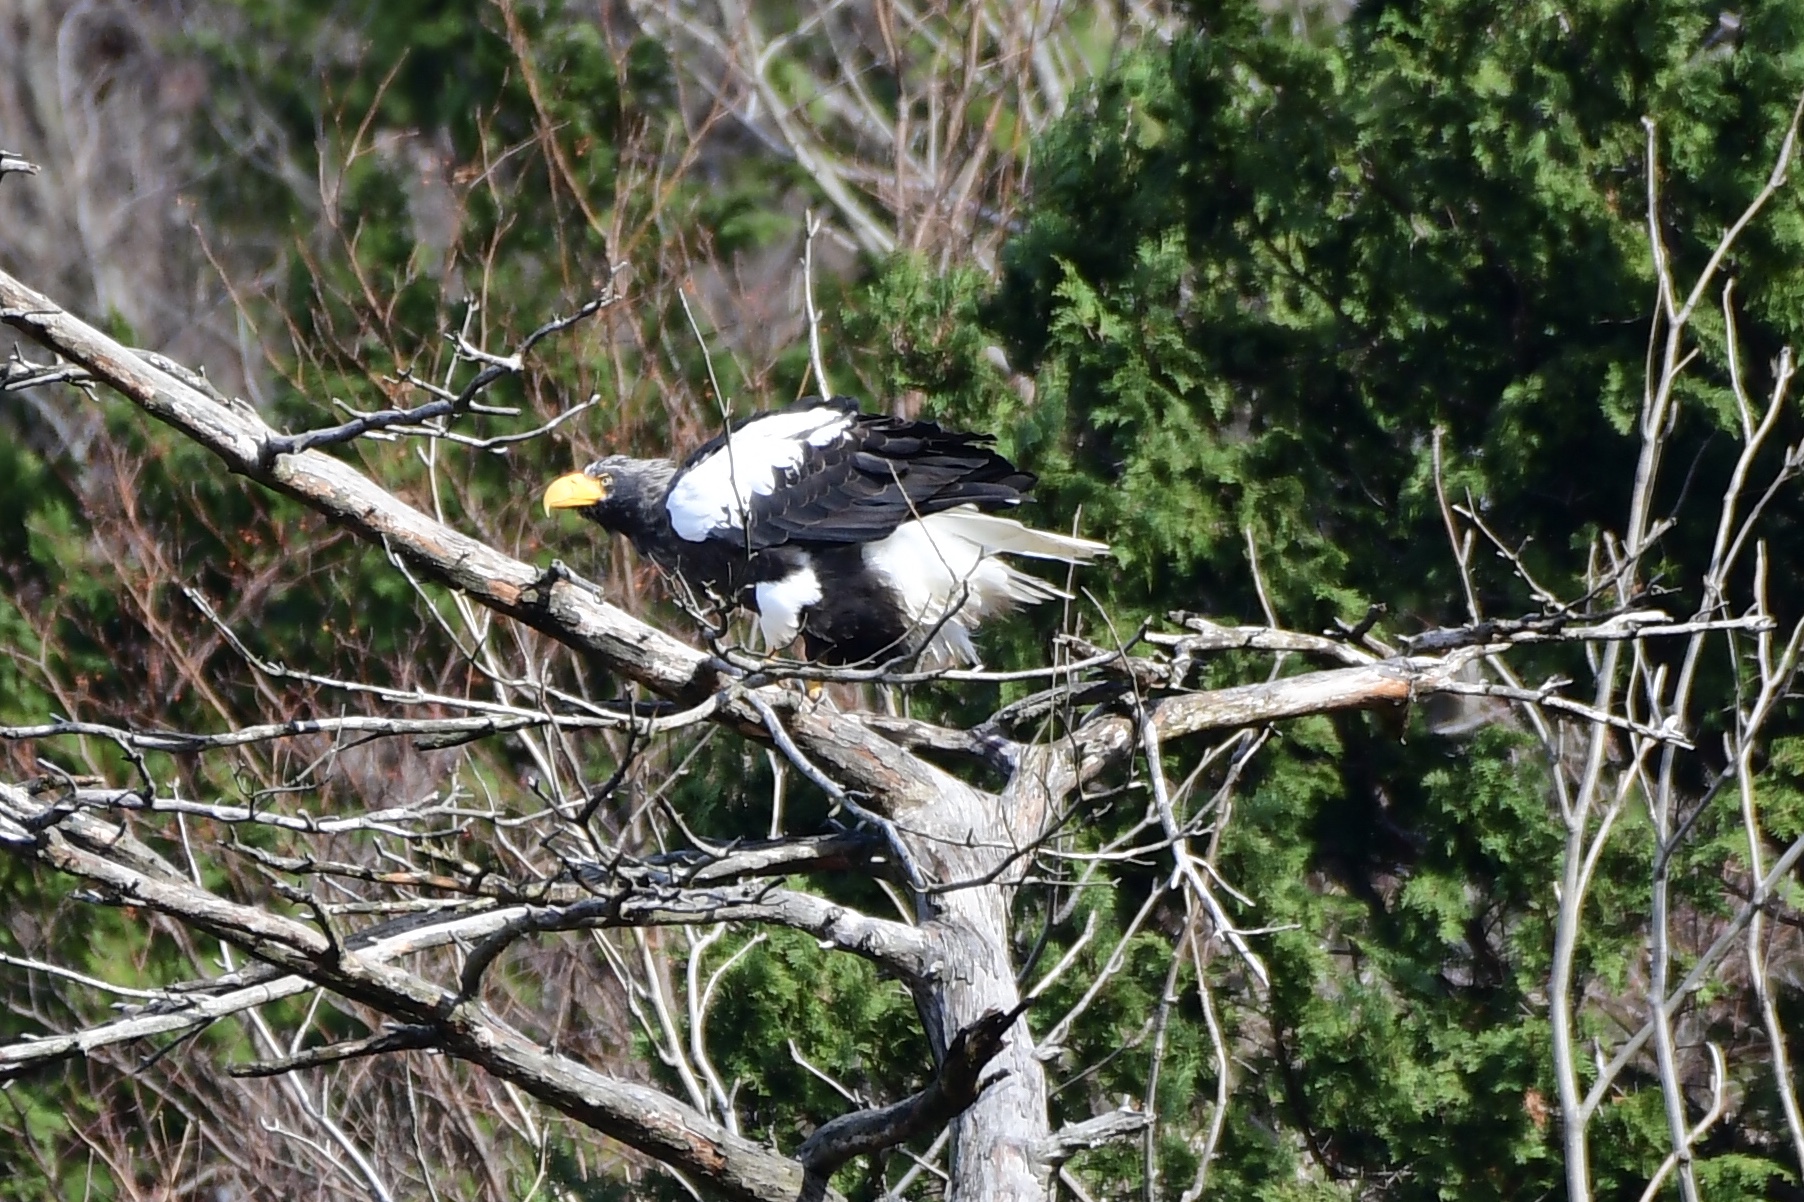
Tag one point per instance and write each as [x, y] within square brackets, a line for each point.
[636, 1115]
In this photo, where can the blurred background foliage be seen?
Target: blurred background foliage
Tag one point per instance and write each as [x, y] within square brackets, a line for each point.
[1219, 275]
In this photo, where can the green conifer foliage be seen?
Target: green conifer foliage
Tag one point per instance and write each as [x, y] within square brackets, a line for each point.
[1261, 270]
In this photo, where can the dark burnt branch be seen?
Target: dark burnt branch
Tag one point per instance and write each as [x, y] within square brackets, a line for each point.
[954, 1089]
[402, 1039]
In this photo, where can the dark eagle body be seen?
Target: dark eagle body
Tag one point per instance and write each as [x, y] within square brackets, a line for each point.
[870, 536]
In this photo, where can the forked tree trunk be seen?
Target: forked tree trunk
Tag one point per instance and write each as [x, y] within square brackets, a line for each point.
[970, 835]
[994, 1150]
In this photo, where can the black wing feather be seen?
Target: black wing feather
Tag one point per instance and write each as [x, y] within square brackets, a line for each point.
[884, 471]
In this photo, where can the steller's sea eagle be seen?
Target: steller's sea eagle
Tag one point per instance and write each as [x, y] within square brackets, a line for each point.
[870, 536]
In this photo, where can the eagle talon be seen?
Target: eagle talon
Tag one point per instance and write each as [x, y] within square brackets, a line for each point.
[549, 578]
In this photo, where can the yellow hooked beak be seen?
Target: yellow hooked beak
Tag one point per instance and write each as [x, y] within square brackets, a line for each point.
[574, 491]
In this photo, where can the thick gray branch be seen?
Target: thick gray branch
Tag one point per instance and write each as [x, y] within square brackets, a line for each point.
[901, 949]
[1110, 739]
[246, 445]
[1115, 1126]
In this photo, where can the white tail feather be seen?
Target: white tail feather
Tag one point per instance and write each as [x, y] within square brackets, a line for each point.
[1005, 536]
[949, 562]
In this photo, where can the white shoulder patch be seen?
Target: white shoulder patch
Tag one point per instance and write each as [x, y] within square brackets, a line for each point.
[713, 496]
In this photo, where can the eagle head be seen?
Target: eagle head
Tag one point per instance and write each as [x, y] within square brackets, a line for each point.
[619, 493]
